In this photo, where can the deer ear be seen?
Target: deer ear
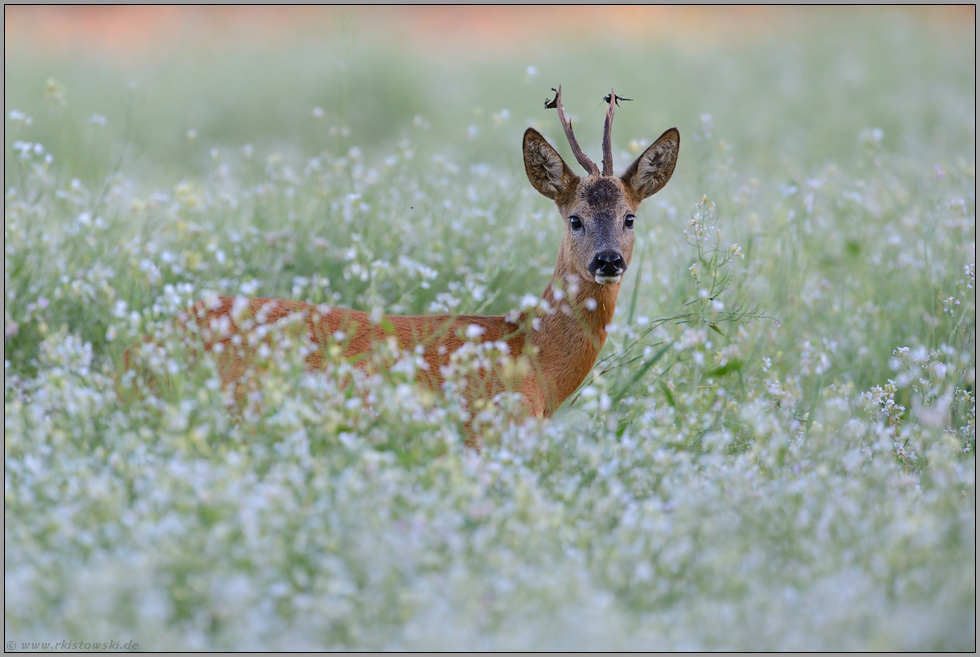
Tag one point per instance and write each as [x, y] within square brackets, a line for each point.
[546, 170]
[653, 169]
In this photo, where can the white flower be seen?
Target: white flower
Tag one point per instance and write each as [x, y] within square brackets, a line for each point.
[19, 118]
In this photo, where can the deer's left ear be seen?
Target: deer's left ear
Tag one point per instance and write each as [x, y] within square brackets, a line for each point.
[653, 169]
[545, 169]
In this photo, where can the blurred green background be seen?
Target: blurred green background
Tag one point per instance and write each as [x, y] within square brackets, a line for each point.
[785, 88]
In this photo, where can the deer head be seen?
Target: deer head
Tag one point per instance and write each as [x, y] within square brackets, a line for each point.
[598, 210]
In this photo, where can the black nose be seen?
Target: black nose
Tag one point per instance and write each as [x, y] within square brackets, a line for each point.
[607, 263]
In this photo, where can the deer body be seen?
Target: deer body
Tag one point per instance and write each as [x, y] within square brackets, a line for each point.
[559, 354]
[555, 349]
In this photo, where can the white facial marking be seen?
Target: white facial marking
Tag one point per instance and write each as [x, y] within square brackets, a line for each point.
[608, 280]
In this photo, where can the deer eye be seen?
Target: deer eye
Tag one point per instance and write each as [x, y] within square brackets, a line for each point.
[629, 220]
[575, 222]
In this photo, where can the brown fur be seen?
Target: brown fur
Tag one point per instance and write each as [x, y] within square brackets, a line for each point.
[557, 348]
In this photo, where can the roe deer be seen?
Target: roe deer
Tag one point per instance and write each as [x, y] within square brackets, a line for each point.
[553, 351]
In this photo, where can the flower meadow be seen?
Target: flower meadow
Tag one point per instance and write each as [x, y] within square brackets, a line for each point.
[776, 450]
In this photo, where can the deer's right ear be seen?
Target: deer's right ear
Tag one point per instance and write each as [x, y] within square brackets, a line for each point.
[651, 171]
[546, 170]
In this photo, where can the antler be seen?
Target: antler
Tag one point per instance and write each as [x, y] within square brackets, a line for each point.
[607, 161]
[582, 158]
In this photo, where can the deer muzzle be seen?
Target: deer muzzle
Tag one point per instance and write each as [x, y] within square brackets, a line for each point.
[607, 267]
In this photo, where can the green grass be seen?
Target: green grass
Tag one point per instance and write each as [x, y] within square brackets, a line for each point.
[786, 462]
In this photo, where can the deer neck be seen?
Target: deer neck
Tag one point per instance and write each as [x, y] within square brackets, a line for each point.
[571, 333]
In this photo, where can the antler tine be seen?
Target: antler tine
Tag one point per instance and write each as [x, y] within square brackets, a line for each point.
[580, 155]
[607, 159]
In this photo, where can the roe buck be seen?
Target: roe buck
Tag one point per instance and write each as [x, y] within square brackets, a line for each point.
[553, 351]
